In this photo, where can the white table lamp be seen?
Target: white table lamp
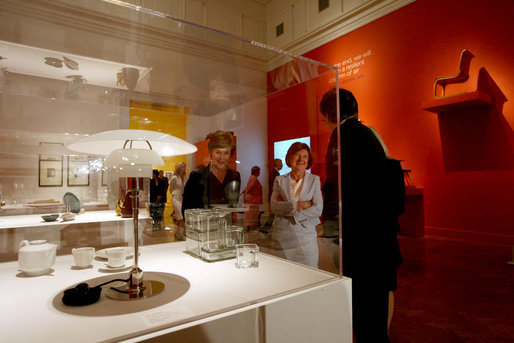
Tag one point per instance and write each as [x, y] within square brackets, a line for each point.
[133, 153]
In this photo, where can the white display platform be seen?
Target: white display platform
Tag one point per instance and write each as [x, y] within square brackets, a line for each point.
[35, 220]
[47, 208]
[287, 301]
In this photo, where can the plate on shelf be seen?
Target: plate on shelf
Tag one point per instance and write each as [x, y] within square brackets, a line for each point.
[102, 253]
[71, 202]
[43, 204]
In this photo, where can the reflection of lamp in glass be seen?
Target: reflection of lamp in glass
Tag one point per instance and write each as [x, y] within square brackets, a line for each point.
[134, 153]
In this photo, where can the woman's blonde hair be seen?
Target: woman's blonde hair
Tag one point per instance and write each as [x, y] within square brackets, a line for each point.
[221, 139]
[178, 166]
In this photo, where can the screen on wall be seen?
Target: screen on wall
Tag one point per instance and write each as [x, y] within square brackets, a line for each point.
[281, 147]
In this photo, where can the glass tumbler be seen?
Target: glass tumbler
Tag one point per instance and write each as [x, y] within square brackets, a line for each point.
[234, 236]
[247, 256]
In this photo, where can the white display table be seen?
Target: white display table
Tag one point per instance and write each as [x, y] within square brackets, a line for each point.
[288, 303]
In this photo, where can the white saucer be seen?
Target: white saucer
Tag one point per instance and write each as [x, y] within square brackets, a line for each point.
[108, 268]
[102, 253]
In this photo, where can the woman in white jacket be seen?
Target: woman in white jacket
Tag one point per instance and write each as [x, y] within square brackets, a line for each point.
[297, 204]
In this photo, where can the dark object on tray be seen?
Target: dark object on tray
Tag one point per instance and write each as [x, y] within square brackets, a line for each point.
[82, 294]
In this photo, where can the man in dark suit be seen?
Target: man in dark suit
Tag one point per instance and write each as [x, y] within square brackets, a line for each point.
[277, 166]
[156, 188]
[165, 185]
[365, 239]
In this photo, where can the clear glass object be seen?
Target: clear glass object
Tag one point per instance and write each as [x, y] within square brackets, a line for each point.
[247, 255]
[210, 236]
[64, 77]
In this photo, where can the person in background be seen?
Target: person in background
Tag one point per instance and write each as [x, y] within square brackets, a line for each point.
[157, 189]
[177, 183]
[165, 182]
[297, 204]
[206, 186]
[277, 166]
[157, 194]
[252, 199]
[367, 251]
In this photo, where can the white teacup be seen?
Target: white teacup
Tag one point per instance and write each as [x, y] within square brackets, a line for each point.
[116, 256]
[83, 256]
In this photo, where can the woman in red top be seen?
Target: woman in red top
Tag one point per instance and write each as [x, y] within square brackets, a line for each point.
[252, 199]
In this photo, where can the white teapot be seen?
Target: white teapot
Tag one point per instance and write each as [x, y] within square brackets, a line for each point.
[37, 257]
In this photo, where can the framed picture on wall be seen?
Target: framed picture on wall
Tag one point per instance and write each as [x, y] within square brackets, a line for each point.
[50, 165]
[50, 173]
[168, 174]
[78, 171]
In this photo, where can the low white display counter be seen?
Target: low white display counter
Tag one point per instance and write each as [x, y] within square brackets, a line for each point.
[280, 301]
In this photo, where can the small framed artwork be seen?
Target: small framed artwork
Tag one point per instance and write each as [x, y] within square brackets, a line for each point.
[168, 174]
[78, 171]
[50, 165]
[104, 177]
[50, 173]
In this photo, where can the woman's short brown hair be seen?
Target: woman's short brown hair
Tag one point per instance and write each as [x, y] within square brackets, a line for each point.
[255, 170]
[221, 139]
[294, 148]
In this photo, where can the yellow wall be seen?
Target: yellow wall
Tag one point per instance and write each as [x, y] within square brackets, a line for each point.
[167, 119]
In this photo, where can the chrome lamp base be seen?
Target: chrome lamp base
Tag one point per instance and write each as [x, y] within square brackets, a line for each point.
[136, 288]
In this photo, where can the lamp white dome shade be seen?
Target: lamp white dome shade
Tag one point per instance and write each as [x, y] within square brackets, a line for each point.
[132, 157]
[133, 162]
[103, 143]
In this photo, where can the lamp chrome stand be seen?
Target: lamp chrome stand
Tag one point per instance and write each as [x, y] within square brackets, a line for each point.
[136, 287]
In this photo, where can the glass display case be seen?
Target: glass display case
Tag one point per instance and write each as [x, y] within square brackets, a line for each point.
[70, 69]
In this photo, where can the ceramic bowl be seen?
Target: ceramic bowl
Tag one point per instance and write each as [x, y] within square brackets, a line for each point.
[68, 216]
[50, 217]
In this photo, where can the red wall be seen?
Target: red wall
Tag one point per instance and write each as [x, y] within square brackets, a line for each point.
[406, 50]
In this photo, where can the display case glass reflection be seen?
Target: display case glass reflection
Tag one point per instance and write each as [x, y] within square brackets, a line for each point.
[78, 171]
